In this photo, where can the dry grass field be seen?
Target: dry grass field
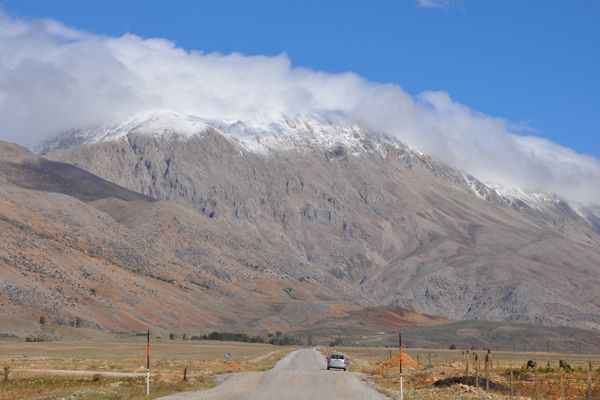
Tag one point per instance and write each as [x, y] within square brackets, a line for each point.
[423, 367]
[93, 370]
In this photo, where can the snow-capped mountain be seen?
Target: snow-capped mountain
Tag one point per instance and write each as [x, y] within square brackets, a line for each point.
[277, 132]
[382, 224]
[260, 135]
[159, 122]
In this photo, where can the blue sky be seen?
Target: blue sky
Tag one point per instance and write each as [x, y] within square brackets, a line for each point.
[532, 62]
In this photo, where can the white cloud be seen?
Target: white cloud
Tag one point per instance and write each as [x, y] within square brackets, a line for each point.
[438, 3]
[53, 78]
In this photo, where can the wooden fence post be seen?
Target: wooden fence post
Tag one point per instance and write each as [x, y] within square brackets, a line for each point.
[466, 362]
[589, 381]
[537, 382]
[476, 366]
[561, 379]
[488, 360]
[548, 353]
[512, 390]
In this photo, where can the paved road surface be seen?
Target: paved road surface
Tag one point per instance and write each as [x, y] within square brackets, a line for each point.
[299, 376]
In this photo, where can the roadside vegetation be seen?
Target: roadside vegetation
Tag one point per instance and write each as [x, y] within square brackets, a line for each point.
[91, 370]
[423, 368]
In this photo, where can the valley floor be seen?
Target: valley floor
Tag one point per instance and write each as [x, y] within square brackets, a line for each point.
[424, 367]
[114, 369]
[94, 370]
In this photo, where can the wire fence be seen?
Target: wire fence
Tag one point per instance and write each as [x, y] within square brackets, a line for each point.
[534, 375]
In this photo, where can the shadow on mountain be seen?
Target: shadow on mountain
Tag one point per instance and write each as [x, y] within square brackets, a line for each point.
[22, 168]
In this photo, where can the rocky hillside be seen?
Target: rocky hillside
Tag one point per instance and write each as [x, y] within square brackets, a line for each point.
[372, 221]
[121, 265]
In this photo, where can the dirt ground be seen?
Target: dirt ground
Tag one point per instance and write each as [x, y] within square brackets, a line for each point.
[423, 367]
[114, 369]
[91, 370]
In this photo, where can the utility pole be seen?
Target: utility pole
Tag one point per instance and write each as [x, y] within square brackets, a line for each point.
[148, 364]
[401, 356]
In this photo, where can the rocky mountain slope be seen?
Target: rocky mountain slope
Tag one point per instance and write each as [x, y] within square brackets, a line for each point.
[124, 264]
[326, 202]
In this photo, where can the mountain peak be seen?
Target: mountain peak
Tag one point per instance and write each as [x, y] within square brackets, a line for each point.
[155, 122]
[260, 133]
[278, 132]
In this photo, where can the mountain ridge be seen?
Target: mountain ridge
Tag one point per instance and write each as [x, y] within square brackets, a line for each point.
[276, 133]
[393, 226]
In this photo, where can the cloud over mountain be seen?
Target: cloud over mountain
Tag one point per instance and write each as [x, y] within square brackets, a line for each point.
[54, 78]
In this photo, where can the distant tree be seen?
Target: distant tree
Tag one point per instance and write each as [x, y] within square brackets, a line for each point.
[309, 342]
[42, 320]
[172, 336]
[452, 347]
[230, 337]
[285, 341]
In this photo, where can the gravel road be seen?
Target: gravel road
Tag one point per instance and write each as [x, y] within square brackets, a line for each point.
[301, 375]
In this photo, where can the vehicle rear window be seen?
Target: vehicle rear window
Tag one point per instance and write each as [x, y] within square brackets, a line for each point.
[337, 357]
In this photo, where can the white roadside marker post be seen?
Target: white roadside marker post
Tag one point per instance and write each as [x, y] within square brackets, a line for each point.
[148, 365]
[401, 356]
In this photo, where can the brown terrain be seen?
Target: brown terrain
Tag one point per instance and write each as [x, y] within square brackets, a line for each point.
[374, 222]
[114, 265]
[192, 234]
